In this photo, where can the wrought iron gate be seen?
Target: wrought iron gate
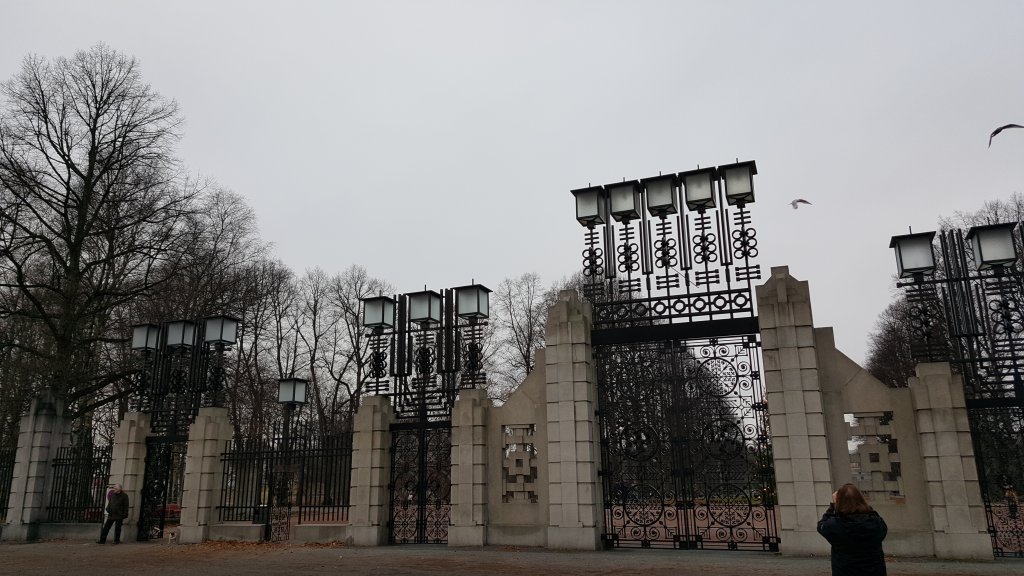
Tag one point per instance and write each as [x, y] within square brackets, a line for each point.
[423, 349]
[686, 455]
[999, 445]
[163, 485]
[420, 483]
[685, 452]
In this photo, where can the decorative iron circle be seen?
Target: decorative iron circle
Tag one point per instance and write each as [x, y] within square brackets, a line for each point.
[629, 258]
[722, 440]
[729, 505]
[424, 360]
[593, 261]
[665, 252]
[1006, 316]
[740, 300]
[721, 374]
[745, 243]
[705, 249]
[379, 364]
[644, 504]
[639, 442]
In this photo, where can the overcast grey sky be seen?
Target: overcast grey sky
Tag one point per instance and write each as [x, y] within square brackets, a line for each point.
[435, 142]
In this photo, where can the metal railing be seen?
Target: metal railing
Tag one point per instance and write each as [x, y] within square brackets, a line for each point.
[307, 473]
[80, 475]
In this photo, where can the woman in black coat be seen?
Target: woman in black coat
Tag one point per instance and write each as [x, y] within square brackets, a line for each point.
[855, 532]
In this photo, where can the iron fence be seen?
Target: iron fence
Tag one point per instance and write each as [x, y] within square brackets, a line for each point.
[308, 473]
[7, 454]
[80, 475]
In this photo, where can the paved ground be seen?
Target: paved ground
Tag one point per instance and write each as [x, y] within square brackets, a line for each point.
[80, 558]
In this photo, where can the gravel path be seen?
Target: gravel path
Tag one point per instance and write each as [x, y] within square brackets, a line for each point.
[79, 558]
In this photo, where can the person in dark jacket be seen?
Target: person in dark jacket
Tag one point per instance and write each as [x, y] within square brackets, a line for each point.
[117, 511]
[855, 532]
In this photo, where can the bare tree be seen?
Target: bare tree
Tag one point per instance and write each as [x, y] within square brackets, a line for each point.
[889, 358]
[91, 209]
[516, 330]
[350, 342]
[253, 395]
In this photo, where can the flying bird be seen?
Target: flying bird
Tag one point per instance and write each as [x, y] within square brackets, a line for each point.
[1000, 129]
[796, 203]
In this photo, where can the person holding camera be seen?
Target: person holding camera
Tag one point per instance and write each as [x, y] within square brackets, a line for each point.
[855, 532]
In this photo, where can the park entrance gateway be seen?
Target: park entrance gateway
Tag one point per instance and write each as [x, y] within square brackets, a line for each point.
[685, 452]
[424, 348]
[182, 370]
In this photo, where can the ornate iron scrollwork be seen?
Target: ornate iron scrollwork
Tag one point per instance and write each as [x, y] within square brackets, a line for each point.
[686, 458]
[163, 476]
[681, 273]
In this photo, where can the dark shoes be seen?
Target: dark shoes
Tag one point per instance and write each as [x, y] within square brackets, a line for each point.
[100, 542]
[116, 542]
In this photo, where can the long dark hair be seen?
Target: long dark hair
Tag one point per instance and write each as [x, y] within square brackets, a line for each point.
[849, 500]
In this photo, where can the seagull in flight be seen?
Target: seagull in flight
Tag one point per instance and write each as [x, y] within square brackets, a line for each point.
[796, 203]
[1000, 129]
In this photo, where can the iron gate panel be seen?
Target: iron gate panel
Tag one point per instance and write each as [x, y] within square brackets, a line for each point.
[685, 447]
[80, 474]
[420, 483]
[162, 485]
[999, 445]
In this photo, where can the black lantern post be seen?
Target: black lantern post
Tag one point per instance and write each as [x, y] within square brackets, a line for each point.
[182, 358]
[739, 182]
[182, 371]
[291, 394]
[699, 188]
[679, 246]
[424, 339]
[423, 348]
[966, 309]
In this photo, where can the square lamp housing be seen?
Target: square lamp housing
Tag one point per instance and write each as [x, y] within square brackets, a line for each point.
[625, 200]
[739, 182]
[425, 307]
[699, 188]
[291, 391]
[661, 195]
[591, 206]
[472, 301]
[379, 312]
[144, 336]
[914, 254]
[221, 330]
[181, 333]
[993, 245]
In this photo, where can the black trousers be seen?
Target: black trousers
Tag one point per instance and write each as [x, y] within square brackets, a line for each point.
[106, 529]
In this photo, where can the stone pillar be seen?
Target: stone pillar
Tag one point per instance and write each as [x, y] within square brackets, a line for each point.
[128, 460]
[954, 495]
[575, 515]
[208, 438]
[371, 470]
[469, 469]
[41, 434]
[799, 443]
